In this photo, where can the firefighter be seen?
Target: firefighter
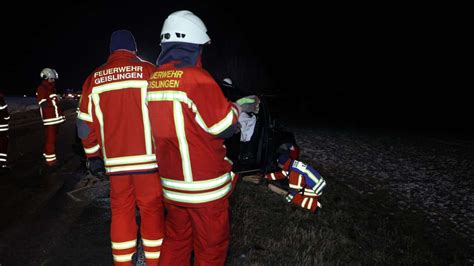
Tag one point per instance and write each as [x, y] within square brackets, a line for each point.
[305, 183]
[230, 91]
[190, 118]
[4, 119]
[51, 113]
[115, 129]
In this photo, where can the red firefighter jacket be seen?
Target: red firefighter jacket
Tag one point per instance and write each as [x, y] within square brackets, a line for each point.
[306, 184]
[50, 111]
[4, 115]
[187, 112]
[113, 106]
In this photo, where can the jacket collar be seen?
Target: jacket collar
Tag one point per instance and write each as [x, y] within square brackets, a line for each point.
[121, 53]
[181, 54]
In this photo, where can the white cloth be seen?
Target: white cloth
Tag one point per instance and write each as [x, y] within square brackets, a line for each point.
[247, 126]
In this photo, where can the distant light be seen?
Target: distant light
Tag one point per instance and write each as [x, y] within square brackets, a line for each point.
[24, 96]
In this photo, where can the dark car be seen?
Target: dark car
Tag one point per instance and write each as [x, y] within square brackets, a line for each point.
[268, 139]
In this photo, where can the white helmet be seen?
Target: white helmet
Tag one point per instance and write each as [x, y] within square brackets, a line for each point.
[227, 82]
[49, 73]
[184, 26]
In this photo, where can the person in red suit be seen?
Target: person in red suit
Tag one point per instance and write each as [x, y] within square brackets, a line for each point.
[114, 127]
[305, 183]
[4, 119]
[51, 113]
[190, 118]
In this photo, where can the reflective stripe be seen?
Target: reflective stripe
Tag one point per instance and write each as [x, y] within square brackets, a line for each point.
[319, 205]
[236, 112]
[152, 255]
[197, 197]
[42, 101]
[307, 191]
[300, 179]
[124, 245]
[56, 111]
[123, 258]
[183, 143]
[289, 197]
[7, 118]
[152, 243]
[49, 155]
[183, 97]
[197, 185]
[54, 122]
[304, 202]
[229, 160]
[130, 160]
[321, 186]
[3, 107]
[122, 85]
[84, 116]
[131, 167]
[53, 95]
[146, 123]
[3, 154]
[310, 204]
[92, 150]
[273, 176]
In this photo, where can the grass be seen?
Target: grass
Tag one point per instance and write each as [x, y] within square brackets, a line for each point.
[353, 229]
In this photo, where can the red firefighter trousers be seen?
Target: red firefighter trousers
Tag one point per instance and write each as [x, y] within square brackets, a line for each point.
[50, 133]
[127, 192]
[206, 230]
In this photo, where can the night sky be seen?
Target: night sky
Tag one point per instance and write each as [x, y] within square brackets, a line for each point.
[389, 65]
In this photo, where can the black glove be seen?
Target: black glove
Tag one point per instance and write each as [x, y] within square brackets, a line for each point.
[96, 167]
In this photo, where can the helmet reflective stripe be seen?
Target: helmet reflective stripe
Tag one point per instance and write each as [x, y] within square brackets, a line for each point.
[184, 26]
[49, 73]
[227, 81]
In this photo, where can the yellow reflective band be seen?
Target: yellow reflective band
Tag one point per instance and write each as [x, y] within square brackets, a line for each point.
[84, 116]
[123, 258]
[131, 167]
[130, 160]
[183, 143]
[152, 255]
[300, 179]
[92, 149]
[222, 125]
[100, 117]
[53, 119]
[304, 202]
[318, 191]
[146, 123]
[182, 97]
[273, 176]
[121, 85]
[128, 84]
[124, 245]
[152, 243]
[197, 185]
[228, 160]
[198, 197]
[310, 203]
[55, 107]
